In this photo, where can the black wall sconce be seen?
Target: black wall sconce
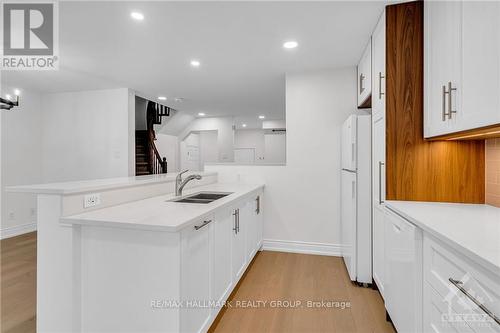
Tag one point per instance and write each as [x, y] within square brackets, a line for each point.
[7, 104]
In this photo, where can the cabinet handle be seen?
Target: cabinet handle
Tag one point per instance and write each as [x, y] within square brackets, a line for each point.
[198, 227]
[443, 100]
[361, 78]
[380, 164]
[458, 284]
[450, 90]
[238, 219]
[397, 228]
[257, 210]
[380, 77]
[235, 214]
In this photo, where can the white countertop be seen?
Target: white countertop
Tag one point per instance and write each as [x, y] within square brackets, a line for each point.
[159, 214]
[471, 229]
[83, 186]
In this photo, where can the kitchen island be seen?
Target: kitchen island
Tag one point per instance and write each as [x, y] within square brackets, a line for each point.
[138, 261]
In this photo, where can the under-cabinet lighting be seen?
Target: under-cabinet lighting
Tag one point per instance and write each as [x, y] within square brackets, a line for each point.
[473, 135]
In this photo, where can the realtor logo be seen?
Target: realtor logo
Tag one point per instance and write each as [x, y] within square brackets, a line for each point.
[30, 36]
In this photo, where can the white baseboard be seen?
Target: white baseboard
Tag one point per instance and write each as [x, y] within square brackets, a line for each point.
[17, 230]
[302, 247]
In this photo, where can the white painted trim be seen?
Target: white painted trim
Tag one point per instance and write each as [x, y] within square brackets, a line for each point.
[17, 230]
[302, 247]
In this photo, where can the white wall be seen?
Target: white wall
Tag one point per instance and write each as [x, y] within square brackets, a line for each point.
[302, 199]
[225, 134]
[168, 146]
[21, 156]
[86, 135]
[275, 148]
[251, 138]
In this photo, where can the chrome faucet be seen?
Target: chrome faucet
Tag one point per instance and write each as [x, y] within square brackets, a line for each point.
[179, 183]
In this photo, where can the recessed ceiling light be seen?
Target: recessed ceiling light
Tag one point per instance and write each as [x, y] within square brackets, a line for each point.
[137, 16]
[243, 125]
[201, 114]
[17, 92]
[9, 97]
[179, 99]
[195, 63]
[162, 98]
[290, 44]
[262, 117]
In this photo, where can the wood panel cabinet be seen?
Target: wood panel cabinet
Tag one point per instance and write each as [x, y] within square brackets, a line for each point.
[462, 66]
[365, 76]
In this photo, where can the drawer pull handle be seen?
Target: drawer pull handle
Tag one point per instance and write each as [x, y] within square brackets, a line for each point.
[198, 227]
[458, 284]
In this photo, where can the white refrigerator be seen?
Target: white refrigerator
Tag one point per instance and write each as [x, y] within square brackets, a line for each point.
[356, 217]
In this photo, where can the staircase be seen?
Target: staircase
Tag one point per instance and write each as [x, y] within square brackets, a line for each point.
[141, 155]
[147, 159]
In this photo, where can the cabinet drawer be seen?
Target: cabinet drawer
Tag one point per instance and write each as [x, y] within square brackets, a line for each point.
[439, 316]
[441, 265]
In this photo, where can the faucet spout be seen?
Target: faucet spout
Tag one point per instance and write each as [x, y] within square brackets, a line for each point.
[179, 183]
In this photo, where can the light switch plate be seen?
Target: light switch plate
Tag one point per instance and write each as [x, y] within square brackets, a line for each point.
[91, 200]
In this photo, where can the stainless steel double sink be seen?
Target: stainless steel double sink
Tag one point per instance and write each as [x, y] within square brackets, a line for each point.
[202, 197]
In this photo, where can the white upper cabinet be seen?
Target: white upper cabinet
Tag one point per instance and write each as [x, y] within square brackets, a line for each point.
[461, 66]
[365, 75]
[378, 67]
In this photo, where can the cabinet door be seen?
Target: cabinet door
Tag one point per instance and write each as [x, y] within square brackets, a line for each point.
[378, 160]
[223, 233]
[365, 75]
[238, 243]
[379, 248]
[403, 293]
[480, 65]
[378, 67]
[196, 274]
[441, 65]
[254, 226]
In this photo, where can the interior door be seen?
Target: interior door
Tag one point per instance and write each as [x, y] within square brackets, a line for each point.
[348, 222]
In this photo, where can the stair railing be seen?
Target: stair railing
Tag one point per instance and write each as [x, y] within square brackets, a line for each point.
[157, 164]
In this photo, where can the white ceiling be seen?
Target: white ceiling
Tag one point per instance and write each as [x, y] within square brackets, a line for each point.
[239, 45]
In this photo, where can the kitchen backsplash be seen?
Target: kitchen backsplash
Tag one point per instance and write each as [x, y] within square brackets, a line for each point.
[493, 172]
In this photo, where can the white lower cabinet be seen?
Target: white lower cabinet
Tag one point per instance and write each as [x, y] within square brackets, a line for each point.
[455, 282]
[403, 288]
[379, 248]
[196, 259]
[223, 274]
[254, 227]
[215, 253]
[430, 288]
[238, 242]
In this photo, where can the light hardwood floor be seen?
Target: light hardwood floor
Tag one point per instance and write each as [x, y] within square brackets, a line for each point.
[287, 276]
[18, 283]
[273, 276]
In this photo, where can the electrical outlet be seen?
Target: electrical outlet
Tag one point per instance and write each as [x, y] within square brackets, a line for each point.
[91, 200]
[33, 212]
[12, 216]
